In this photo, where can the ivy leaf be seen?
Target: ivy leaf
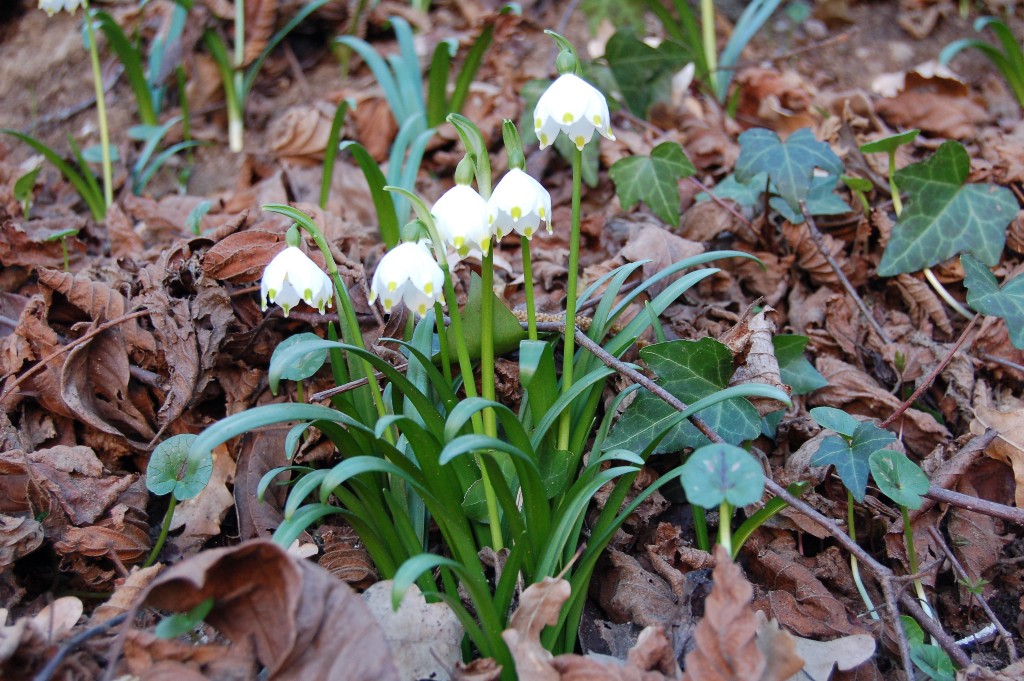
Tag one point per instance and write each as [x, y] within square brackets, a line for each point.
[794, 369]
[945, 217]
[899, 478]
[747, 193]
[653, 180]
[722, 472]
[851, 457]
[821, 200]
[985, 296]
[790, 164]
[170, 469]
[689, 370]
[643, 73]
[835, 419]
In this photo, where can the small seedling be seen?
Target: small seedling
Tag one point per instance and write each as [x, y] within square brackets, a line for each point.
[183, 623]
[24, 189]
[171, 470]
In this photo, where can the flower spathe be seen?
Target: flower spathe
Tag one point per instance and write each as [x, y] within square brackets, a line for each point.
[292, 277]
[51, 7]
[461, 219]
[518, 203]
[573, 106]
[408, 273]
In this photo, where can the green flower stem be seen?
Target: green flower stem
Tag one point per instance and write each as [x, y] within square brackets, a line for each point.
[854, 565]
[487, 339]
[725, 526]
[236, 122]
[442, 339]
[908, 538]
[531, 309]
[565, 423]
[707, 25]
[101, 108]
[164, 529]
[299, 392]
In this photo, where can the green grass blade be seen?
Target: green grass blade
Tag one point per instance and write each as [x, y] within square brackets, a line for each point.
[469, 69]
[90, 194]
[131, 59]
[257, 64]
[387, 217]
[331, 152]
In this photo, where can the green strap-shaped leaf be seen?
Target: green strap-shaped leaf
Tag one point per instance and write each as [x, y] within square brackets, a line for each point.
[654, 180]
[945, 217]
[985, 295]
[790, 164]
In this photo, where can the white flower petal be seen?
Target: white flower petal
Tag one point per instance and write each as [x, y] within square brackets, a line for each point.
[292, 277]
[573, 106]
[518, 203]
[408, 273]
[461, 219]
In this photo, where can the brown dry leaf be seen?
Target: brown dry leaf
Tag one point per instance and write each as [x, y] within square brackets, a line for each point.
[651, 659]
[260, 16]
[59, 617]
[125, 593]
[980, 538]
[125, 244]
[629, 593]
[922, 302]
[375, 126]
[820, 658]
[1009, 446]
[662, 248]
[201, 515]
[780, 649]
[939, 114]
[727, 648]
[426, 637]
[259, 452]
[126, 540]
[158, 659]
[810, 260]
[24, 244]
[242, 256]
[780, 99]
[345, 557]
[750, 342]
[18, 537]
[301, 134]
[304, 624]
[539, 606]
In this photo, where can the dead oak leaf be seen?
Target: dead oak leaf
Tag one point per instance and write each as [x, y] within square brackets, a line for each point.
[303, 623]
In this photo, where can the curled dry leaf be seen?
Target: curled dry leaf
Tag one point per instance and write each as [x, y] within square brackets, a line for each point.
[301, 134]
[539, 606]
[304, 624]
[660, 248]
[1008, 420]
[260, 16]
[821, 658]
[125, 593]
[241, 257]
[18, 537]
[810, 260]
[629, 593]
[651, 659]
[201, 515]
[345, 557]
[59, 617]
[426, 638]
[727, 648]
[922, 302]
[750, 341]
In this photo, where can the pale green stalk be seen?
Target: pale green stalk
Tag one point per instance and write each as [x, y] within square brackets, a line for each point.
[854, 565]
[165, 527]
[565, 422]
[442, 339]
[101, 108]
[236, 123]
[908, 538]
[707, 25]
[487, 339]
[725, 526]
[531, 309]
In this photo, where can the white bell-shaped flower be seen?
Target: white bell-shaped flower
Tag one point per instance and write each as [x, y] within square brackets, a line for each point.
[461, 219]
[573, 106]
[292, 277]
[51, 7]
[518, 203]
[408, 273]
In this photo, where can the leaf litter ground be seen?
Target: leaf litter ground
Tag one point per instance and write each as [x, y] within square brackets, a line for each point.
[156, 332]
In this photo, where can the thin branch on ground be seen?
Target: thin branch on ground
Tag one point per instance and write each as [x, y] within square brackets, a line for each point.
[967, 502]
[1003, 362]
[962, 574]
[819, 241]
[927, 381]
[932, 628]
[9, 390]
[47, 672]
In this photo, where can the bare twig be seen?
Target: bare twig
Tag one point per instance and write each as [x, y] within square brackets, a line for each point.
[962, 574]
[47, 672]
[932, 628]
[965, 501]
[68, 348]
[930, 378]
[1004, 362]
[819, 241]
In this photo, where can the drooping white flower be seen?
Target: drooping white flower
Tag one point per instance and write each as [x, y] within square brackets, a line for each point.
[573, 106]
[518, 203]
[51, 7]
[408, 273]
[292, 277]
[461, 219]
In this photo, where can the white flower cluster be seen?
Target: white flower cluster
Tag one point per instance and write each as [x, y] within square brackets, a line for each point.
[292, 277]
[51, 7]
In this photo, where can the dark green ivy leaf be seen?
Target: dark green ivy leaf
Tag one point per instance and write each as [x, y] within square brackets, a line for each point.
[789, 164]
[985, 296]
[851, 457]
[794, 369]
[643, 73]
[654, 180]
